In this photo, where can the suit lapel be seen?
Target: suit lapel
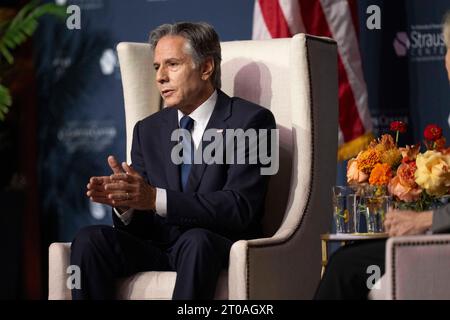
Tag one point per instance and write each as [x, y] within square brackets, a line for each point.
[222, 111]
[172, 170]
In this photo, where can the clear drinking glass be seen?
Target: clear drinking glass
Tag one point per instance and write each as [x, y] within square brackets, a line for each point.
[376, 208]
[345, 209]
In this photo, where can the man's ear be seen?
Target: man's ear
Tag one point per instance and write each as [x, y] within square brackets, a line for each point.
[207, 68]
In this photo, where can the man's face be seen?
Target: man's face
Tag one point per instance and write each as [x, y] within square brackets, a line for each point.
[179, 82]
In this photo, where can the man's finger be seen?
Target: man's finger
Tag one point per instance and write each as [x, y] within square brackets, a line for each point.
[388, 217]
[119, 186]
[98, 180]
[115, 167]
[96, 187]
[391, 232]
[101, 200]
[120, 196]
[97, 193]
[129, 170]
[120, 177]
[121, 203]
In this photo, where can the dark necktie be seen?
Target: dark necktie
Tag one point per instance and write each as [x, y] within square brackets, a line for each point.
[188, 151]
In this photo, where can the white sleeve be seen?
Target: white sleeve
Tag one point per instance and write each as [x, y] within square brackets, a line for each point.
[126, 216]
[161, 207]
[161, 202]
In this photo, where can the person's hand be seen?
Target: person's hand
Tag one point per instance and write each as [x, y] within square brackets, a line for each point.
[407, 222]
[96, 190]
[129, 189]
[96, 186]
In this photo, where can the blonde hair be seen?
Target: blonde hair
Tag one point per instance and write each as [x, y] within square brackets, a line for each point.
[446, 29]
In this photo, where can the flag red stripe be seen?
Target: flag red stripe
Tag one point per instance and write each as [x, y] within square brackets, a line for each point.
[274, 18]
[316, 24]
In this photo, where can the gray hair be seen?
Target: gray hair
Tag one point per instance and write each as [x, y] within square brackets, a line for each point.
[202, 43]
[446, 29]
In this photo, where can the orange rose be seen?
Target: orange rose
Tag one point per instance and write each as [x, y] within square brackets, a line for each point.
[405, 173]
[354, 175]
[402, 192]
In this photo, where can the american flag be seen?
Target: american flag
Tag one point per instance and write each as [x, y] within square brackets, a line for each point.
[336, 19]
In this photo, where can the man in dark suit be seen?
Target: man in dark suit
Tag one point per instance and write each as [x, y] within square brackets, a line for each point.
[178, 217]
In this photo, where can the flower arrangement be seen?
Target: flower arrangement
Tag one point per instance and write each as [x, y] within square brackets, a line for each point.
[417, 181]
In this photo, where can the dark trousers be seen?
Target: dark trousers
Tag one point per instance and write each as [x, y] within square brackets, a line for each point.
[104, 253]
[347, 274]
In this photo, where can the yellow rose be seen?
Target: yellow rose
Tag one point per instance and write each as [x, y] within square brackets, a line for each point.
[433, 172]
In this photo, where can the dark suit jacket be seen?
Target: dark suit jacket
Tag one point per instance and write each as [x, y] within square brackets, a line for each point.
[225, 198]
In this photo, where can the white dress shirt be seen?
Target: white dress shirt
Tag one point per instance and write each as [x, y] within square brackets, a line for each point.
[201, 117]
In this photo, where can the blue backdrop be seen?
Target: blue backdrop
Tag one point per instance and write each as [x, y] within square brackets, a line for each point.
[404, 65]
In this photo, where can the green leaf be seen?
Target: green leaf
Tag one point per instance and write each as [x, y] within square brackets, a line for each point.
[24, 25]
[6, 54]
[9, 43]
[5, 101]
[50, 8]
[23, 12]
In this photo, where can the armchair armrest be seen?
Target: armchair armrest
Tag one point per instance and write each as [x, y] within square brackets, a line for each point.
[58, 261]
[417, 267]
[278, 267]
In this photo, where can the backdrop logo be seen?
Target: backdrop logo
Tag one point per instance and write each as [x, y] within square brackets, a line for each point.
[108, 62]
[401, 44]
[92, 136]
[423, 43]
[60, 65]
[98, 210]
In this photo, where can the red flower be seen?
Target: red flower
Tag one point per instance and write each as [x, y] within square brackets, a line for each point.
[432, 132]
[398, 126]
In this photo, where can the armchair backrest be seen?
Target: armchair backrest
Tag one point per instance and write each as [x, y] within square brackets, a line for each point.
[141, 96]
[297, 79]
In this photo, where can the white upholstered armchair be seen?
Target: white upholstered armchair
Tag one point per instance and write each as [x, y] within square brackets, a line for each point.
[296, 79]
[417, 268]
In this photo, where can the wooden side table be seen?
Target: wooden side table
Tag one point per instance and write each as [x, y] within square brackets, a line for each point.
[344, 238]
